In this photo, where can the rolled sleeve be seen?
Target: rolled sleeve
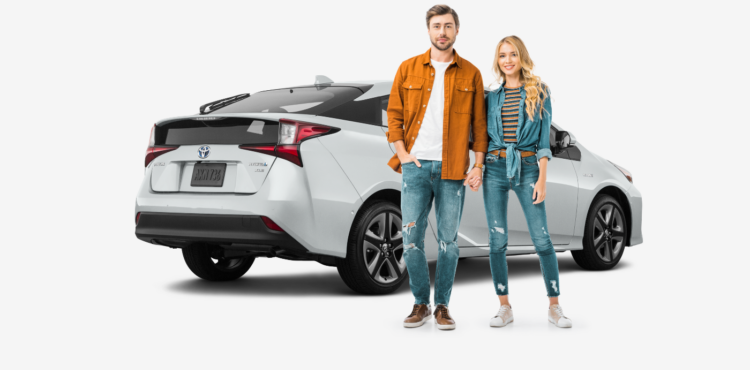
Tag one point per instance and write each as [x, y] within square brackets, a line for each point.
[393, 136]
[479, 118]
[543, 146]
[541, 153]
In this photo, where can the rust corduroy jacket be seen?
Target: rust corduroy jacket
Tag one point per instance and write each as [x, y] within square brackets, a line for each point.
[464, 116]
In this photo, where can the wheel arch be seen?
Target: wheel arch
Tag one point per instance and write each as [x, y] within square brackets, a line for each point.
[391, 195]
[621, 198]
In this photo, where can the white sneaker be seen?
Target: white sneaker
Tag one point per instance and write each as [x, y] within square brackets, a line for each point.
[555, 316]
[503, 317]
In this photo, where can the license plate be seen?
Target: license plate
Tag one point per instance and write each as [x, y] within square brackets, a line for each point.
[208, 174]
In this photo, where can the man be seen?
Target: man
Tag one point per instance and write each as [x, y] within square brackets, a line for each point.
[435, 108]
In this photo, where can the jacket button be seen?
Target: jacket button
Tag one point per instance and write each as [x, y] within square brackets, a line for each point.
[423, 106]
[466, 89]
[410, 86]
[428, 89]
[432, 74]
[417, 121]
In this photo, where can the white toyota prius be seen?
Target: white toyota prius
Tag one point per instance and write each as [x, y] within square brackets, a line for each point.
[300, 174]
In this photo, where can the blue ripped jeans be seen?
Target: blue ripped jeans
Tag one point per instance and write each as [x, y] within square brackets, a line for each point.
[419, 186]
[496, 187]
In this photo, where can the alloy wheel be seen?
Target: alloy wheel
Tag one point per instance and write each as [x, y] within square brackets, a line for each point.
[609, 232]
[383, 248]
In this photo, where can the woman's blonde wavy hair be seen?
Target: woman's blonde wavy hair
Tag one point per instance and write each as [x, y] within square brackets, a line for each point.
[536, 91]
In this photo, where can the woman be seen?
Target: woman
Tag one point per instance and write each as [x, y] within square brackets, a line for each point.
[519, 115]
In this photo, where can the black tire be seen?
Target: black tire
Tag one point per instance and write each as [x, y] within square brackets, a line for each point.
[385, 257]
[205, 262]
[605, 235]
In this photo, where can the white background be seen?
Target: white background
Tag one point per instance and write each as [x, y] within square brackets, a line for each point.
[659, 88]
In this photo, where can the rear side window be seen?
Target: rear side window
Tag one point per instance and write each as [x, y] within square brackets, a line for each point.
[368, 111]
[221, 131]
[303, 100]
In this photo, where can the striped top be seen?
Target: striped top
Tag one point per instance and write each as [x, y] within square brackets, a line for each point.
[509, 114]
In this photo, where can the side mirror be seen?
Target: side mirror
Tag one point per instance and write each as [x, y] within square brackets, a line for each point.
[563, 139]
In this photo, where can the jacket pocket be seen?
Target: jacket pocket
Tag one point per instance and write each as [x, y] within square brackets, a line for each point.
[463, 96]
[412, 94]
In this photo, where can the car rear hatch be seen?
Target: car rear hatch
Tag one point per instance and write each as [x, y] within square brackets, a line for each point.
[211, 154]
[220, 152]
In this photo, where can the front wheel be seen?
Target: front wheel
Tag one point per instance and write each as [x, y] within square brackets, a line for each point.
[604, 236]
[207, 262]
[374, 261]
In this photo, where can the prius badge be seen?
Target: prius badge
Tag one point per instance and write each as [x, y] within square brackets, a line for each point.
[204, 151]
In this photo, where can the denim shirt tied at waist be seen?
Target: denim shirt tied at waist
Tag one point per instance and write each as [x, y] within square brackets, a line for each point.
[532, 133]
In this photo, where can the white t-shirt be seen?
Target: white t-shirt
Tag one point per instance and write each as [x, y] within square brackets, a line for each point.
[429, 143]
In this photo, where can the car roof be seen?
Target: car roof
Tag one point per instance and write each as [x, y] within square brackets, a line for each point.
[371, 88]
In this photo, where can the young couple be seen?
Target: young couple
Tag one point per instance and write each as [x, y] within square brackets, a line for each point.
[436, 114]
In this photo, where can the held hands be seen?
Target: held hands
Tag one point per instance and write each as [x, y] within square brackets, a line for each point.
[474, 179]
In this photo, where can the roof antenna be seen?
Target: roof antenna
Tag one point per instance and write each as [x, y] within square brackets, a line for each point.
[320, 80]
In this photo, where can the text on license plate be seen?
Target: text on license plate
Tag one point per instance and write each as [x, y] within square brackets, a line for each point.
[208, 174]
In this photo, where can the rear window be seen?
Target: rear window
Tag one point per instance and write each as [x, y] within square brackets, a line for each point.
[221, 131]
[303, 100]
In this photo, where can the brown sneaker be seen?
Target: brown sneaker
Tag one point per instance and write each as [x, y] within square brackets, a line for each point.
[418, 316]
[443, 318]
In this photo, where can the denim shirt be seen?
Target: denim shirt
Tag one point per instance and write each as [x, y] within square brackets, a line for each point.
[532, 133]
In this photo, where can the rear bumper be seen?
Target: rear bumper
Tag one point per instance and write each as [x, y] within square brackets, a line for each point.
[314, 204]
[181, 229]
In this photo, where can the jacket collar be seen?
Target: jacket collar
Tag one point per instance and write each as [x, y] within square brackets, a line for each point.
[425, 58]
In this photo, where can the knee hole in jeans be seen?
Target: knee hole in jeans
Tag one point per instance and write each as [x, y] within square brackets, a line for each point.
[407, 228]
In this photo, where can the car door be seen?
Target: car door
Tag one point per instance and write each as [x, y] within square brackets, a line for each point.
[561, 202]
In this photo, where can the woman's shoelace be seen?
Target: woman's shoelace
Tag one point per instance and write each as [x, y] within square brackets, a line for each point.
[558, 311]
[502, 311]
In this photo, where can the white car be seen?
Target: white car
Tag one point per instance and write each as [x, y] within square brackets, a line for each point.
[300, 173]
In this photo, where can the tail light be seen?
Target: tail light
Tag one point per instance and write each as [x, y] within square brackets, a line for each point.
[291, 134]
[154, 151]
[137, 217]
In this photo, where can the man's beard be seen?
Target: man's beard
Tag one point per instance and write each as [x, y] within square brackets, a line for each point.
[447, 46]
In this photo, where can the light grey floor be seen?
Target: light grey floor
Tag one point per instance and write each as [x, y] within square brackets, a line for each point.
[140, 306]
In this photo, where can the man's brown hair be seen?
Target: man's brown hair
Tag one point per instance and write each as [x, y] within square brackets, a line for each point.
[441, 9]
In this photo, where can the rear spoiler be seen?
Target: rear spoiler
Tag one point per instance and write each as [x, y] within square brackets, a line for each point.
[214, 105]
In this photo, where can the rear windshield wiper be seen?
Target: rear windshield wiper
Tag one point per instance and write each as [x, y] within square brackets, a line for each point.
[221, 103]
